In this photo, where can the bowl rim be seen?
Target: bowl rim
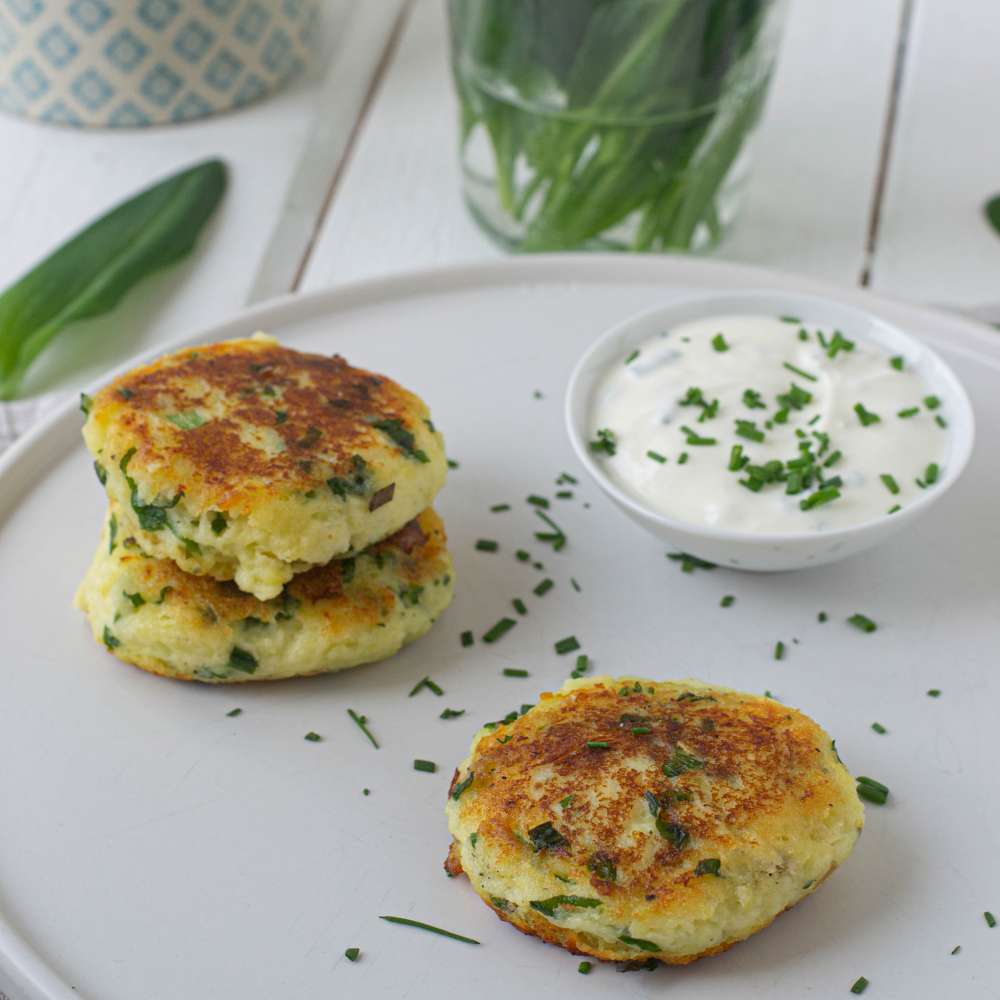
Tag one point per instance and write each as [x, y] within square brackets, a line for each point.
[703, 305]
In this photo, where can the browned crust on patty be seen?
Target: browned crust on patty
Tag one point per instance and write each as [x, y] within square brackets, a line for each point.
[327, 408]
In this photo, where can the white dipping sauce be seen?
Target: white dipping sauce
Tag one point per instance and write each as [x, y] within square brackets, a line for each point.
[638, 401]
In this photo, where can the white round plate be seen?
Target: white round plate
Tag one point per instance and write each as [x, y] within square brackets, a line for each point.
[154, 848]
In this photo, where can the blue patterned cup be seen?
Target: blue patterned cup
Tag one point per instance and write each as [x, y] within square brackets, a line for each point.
[131, 63]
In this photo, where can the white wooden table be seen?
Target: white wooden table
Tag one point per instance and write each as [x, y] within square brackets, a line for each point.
[874, 158]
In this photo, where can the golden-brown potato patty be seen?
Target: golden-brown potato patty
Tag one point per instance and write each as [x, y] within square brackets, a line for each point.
[249, 461]
[149, 612]
[627, 819]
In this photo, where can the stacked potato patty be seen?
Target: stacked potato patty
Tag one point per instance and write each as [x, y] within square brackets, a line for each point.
[268, 515]
[628, 819]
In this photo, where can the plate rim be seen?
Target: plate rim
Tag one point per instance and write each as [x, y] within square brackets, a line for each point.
[970, 337]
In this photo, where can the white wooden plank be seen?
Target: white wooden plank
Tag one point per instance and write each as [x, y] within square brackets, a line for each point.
[53, 181]
[399, 205]
[355, 61]
[933, 244]
[817, 150]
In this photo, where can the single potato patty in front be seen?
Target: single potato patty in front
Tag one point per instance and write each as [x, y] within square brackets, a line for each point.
[248, 461]
[356, 610]
[629, 819]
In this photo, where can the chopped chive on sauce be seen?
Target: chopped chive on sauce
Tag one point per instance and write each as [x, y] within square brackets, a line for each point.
[487, 545]
[519, 606]
[866, 417]
[564, 494]
[515, 672]
[910, 411]
[890, 483]
[582, 665]
[820, 497]
[429, 684]
[522, 555]
[499, 630]
[584, 968]
[313, 737]
[499, 508]
[932, 402]
[656, 457]
[425, 765]
[932, 473]
[991, 921]
[879, 728]
[568, 645]
[361, 722]
[862, 622]
[860, 985]
[233, 712]
[467, 638]
[452, 713]
[604, 442]
[719, 343]
[934, 693]
[822, 617]
[894, 509]
[897, 362]
[543, 587]
[799, 371]
[791, 319]
[632, 356]
[955, 950]
[537, 501]
[575, 585]
[779, 650]
[695, 439]
[682, 458]
[727, 602]
[940, 421]
[407, 922]
[352, 954]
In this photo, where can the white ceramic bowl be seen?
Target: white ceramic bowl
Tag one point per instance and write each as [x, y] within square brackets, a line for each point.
[769, 552]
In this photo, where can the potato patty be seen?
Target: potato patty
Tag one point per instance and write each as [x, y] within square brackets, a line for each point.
[251, 462]
[149, 612]
[628, 819]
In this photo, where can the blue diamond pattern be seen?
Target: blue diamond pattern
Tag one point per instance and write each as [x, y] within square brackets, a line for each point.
[190, 106]
[58, 47]
[221, 72]
[29, 80]
[251, 89]
[220, 7]
[92, 90]
[60, 113]
[8, 36]
[126, 50]
[158, 13]
[25, 10]
[132, 63]
[251, 24]
[277, 55]
[129, 115]
[193, 41]
[91, 15]
[160, 85]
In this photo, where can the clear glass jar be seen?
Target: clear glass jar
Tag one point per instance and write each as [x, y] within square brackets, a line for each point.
[609, 124]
